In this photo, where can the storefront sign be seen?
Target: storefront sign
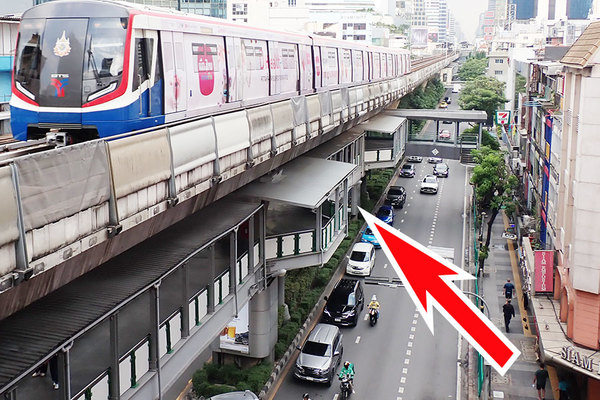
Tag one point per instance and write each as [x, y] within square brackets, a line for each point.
[571, 355]
[544, 264]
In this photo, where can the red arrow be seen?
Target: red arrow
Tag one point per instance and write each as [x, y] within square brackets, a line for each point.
[428, 279]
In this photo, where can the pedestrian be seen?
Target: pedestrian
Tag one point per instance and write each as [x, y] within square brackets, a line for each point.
[539, 381]
[41, 370]
[508, 289]
[509, 311]
[54, 371]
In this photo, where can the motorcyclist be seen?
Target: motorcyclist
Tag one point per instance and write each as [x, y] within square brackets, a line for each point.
[374, 305]
[348, 369]
[305, 396]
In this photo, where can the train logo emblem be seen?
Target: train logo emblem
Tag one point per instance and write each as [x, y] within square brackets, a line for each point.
[59, 81]
[63, 46]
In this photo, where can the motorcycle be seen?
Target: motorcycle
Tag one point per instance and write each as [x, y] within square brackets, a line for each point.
[373, 316]
[345, 389]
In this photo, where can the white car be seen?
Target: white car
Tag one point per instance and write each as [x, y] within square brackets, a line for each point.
[429, 184]
[434, 160]
[361, 260]
[416, 159]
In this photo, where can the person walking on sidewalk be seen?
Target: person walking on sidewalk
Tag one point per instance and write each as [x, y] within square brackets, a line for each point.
[509, 311]
[508, 289]
[539, 380]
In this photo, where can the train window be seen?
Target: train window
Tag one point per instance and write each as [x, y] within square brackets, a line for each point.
[103, 57]
[211, 49]
[143, 60]
[198, 49]
[28, 55]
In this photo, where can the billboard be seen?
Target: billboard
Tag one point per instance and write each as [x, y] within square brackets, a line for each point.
[544, 271]
[419, 37]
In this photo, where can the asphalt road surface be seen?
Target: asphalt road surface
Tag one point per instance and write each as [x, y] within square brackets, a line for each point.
[399, 358]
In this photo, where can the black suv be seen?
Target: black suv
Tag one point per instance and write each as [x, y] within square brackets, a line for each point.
[396, 196]
[345, 303]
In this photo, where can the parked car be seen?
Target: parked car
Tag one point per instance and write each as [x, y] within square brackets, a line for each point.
[444, 134]
[386, 214]
[345, 303]
[321, 354]
[446, 122]
[434, 160]
[429, 184]
[408, 170]
[369, 237]
[441, 169]
[416, 159]
[361, 260]
[396, 196]
[245, 395]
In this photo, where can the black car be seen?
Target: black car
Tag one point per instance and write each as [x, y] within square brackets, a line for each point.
[408, 170]
[448, 100]
[396, 196]
[345, 303]
[441, 169]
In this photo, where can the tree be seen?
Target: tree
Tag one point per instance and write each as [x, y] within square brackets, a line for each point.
[494, 186]
[483, 93]
[472, 68]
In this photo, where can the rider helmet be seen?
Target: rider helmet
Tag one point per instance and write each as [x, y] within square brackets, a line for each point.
[305, 396]
[374, 298]
[347, 364]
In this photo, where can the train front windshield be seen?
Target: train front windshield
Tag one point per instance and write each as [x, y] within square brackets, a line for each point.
[69, 62]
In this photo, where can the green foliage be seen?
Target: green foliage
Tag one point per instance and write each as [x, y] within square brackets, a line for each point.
[427, 97]
[489, 140]
[493, 182]
[483, 93]
[472, 68]
[215, 379]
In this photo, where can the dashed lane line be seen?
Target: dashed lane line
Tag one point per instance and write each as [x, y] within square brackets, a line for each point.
[357, 341]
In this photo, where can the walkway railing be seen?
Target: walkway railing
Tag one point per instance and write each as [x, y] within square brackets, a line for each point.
[291, 244]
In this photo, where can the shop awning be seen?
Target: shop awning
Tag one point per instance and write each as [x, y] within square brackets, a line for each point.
[303, 182]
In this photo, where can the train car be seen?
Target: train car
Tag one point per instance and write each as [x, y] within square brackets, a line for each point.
[97, 68]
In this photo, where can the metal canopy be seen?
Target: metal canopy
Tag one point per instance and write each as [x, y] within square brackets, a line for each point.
[303, 182]
[440, 115]
[386, 123]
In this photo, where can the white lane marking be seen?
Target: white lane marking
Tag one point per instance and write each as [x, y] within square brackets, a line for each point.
[410, 344]
[407, 204]
[408, 352]
[416, 315]
[411, 336]
[411, 197]
[400, 389]
[412, 329]
[398, 398]
[405, 212]
[385, 266]
[336, 396]
[407, 361]
[405, 370]
[431, 242]
[366, 316]
[357, 340]
[415, 321]
[401, 221]
[403, 380]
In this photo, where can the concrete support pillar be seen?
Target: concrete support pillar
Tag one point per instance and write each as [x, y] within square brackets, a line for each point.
[154, 328]
[185, 298]
[355, 199]
[437, 131]
[64, 373]
[263, 322]
[479, 137]
[337, 223]
[114, 384]
[457, 132]
[262, 228]
[233, 270]
[281, 290]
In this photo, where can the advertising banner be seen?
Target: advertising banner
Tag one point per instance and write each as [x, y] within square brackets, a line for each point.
[419, 37]
[544, 271]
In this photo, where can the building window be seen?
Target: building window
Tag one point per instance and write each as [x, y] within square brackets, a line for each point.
[360, 37]
[499, 61]
[239, 9]
[497, 72]
[361, 27]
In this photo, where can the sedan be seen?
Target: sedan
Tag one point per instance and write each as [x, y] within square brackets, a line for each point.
[443, 104]
[361, 260]
[416, 159]
[444, 134]
[369, 237]
[429, 184]
[396, 196]
[407, 171]
[441, 169]
[434, 160]
[386, 214]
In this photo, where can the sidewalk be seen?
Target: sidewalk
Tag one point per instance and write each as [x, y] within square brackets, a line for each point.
[502, 264]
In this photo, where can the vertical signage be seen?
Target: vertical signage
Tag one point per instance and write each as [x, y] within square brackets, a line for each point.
[544, 271]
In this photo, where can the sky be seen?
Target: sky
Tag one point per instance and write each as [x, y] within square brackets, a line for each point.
[467, 13]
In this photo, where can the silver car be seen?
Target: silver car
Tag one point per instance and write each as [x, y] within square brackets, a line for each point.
[320, 355]
[245, 395]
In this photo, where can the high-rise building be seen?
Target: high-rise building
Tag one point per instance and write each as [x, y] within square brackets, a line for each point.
[578, 9]
[526, 9]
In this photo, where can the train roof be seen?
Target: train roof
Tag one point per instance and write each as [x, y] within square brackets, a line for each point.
[114, 8]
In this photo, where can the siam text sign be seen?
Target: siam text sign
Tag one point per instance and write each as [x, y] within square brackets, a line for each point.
[544, 268]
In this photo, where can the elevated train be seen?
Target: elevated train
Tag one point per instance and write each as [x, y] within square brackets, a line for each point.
[97, 68]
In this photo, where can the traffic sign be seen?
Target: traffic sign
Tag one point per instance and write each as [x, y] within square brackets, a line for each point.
[503, 117]
[428, 278]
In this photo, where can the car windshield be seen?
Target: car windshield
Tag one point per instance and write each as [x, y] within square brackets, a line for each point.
[384, 212]
[359, 256]
[441, 167]
[341, 298]
[396, 191]
[430, 179]
[316, 349]
[407, 166]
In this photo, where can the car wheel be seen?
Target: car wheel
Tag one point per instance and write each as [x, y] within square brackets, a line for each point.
[330, 379]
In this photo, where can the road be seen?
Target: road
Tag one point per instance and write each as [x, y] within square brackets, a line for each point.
[429, 130]
[399, 358]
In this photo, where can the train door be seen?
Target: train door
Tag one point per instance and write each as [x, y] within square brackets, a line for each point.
[175, 98]
[147, 77]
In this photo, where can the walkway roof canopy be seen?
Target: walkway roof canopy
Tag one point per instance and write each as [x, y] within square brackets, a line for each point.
[440, 115]
[304, 182]
[385, 123]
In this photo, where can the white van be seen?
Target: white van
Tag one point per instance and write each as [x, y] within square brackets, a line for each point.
[456, 88]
